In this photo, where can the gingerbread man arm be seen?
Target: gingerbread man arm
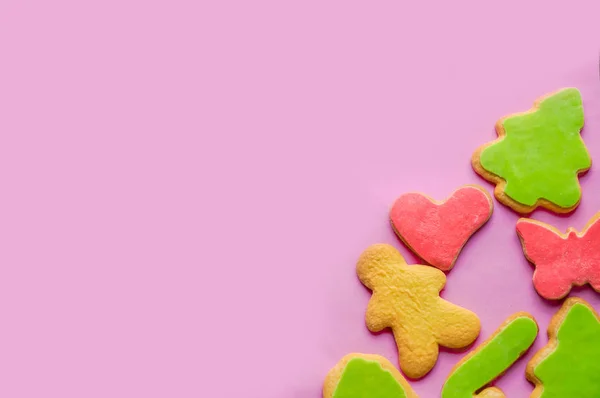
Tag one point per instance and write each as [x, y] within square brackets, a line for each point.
[454, 326]
[380, 314]
[426, 275]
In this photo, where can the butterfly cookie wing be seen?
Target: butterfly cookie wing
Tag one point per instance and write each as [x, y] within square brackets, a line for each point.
[550, 253]
[589, 259]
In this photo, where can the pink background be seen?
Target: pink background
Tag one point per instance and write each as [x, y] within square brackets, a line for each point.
[186, 185]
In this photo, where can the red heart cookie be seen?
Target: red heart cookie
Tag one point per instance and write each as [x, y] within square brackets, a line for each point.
[437, 231]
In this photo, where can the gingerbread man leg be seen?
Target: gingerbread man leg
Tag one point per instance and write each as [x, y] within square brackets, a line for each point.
[417, 351]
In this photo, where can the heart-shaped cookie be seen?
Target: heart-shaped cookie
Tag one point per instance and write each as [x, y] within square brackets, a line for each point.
[437, 231]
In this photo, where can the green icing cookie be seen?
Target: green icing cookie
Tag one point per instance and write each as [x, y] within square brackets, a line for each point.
[492, 358]
[362, 378]
[539, 154]
[569, 366]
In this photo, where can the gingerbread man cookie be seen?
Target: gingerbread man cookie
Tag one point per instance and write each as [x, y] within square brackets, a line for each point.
[406, 299]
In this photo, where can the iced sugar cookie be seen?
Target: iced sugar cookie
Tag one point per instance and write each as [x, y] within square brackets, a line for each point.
[437, 231]
[364, 375]
[538, 155]
[561, 260]
[568, 365]
[406, 299]
[491, 359]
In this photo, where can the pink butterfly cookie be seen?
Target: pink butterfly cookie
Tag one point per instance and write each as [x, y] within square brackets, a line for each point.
[437, 231]
[561, 260]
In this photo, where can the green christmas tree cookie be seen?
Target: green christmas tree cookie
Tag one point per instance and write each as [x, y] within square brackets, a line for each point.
[569, 365]
[538, 155]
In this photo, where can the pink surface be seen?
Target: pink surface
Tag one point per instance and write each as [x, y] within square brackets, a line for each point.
[187, 185]
[437, 230]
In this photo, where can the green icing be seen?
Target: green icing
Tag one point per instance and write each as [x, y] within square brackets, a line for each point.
[492, 359]
[573, 369]
[362, 378]
[542, 151]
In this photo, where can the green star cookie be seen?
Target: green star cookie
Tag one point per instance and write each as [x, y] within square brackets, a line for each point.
[538, 155]
[568, 366]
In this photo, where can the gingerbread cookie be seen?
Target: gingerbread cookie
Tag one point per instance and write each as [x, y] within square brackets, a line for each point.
[538, 155]
[406, 299]
[561, 260]
[437, 231]
[364, 375]
[568, 365]
[491, 359]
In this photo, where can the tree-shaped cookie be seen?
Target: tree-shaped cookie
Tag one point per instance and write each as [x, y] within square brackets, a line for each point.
[568, 365]
[538, 155]
[406, 299]
[366, 375]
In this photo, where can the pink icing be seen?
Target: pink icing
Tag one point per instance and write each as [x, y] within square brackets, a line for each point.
[561, 261]
[436, 232]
